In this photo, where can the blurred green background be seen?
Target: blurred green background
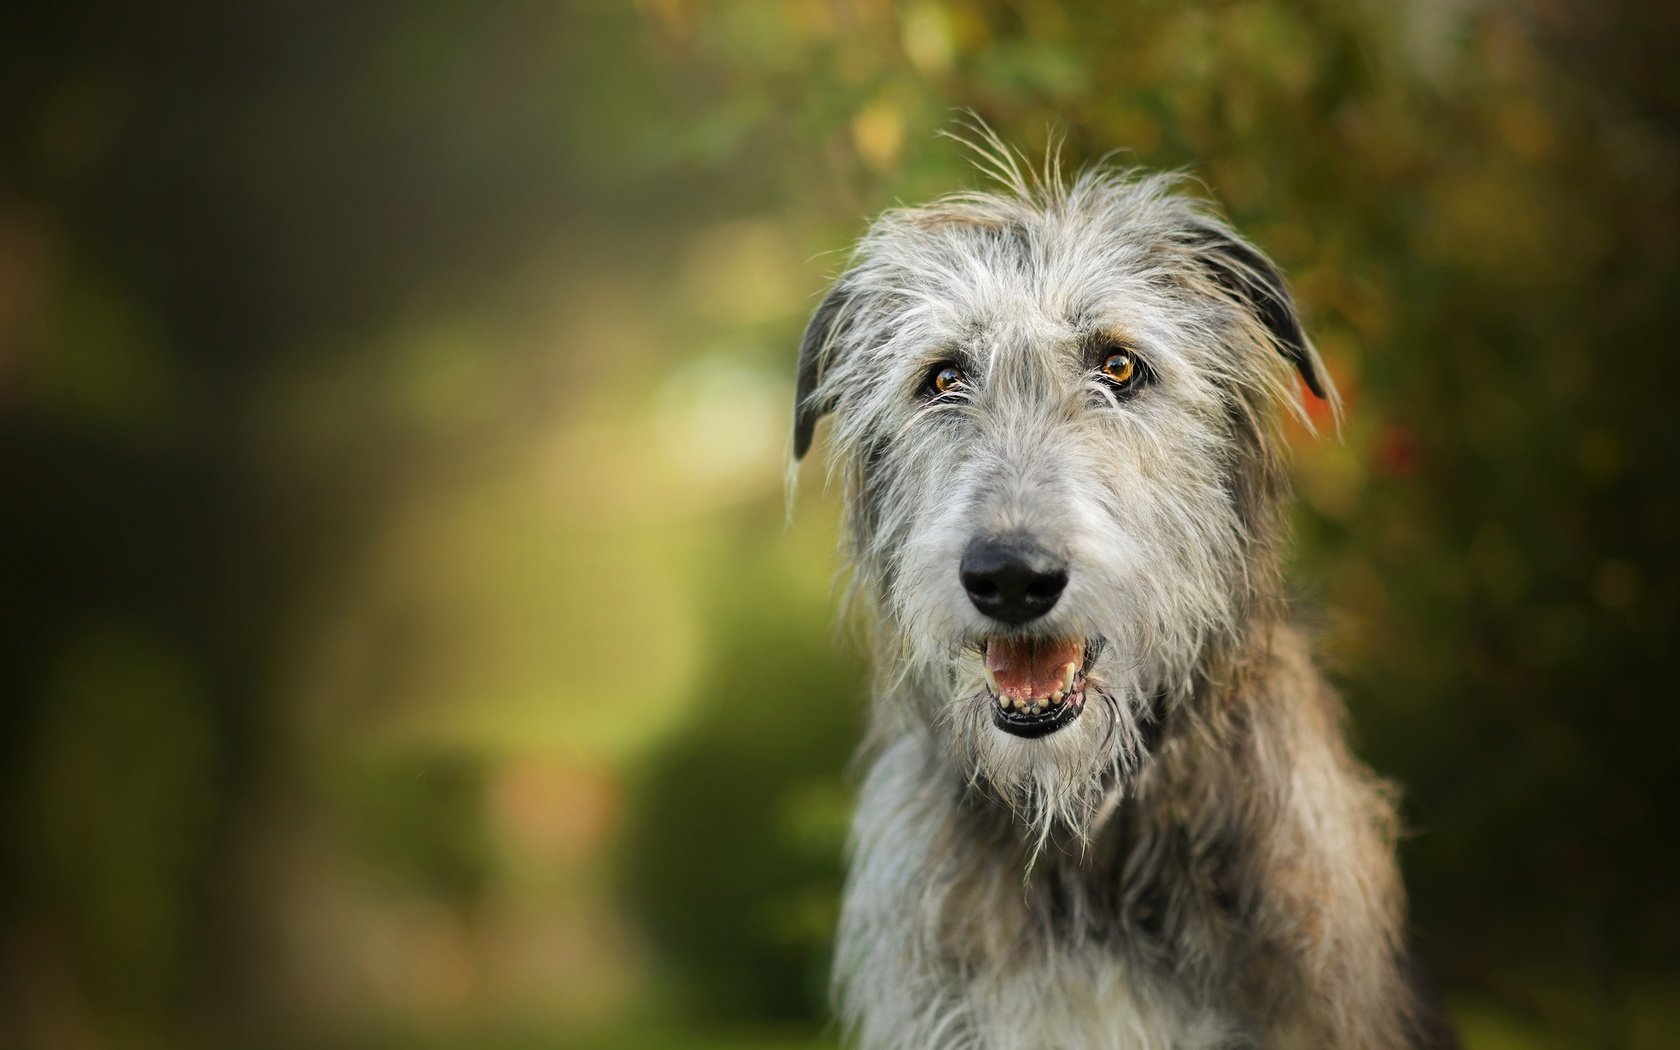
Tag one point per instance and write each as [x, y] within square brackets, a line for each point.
[404, 642]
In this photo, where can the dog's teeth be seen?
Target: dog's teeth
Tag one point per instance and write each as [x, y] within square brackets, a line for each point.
[1056, 697]
[991, 679]
[1043, 702]
[1003, 703]
[1020, 705]
[1068, 671]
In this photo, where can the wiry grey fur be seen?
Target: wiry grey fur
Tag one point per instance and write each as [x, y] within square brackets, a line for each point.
[1197, 861]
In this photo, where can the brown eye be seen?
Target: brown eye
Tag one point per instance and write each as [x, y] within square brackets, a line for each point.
[1119, 368]
[944, 379]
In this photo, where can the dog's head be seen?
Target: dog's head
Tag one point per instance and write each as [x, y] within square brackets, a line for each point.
[1056, 413]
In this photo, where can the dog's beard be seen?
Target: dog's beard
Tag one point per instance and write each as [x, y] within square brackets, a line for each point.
[1060, 785]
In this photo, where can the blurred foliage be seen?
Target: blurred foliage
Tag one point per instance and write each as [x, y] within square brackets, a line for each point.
[405, 645]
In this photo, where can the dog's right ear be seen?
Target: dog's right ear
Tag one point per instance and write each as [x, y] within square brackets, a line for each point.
[1247, 274]
[813, 353]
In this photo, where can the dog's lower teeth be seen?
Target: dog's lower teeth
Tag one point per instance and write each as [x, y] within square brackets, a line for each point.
[1038, 705]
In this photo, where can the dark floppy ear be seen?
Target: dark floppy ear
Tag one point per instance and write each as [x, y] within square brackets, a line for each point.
[812, 348]
[1251, 277]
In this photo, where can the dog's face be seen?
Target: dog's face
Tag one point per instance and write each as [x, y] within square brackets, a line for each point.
[1057, 421]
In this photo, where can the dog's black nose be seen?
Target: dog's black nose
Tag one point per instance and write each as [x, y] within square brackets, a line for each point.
[1012, 580]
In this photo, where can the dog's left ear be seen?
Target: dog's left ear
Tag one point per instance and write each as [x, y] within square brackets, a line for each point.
[813, 350]
[1251, 277]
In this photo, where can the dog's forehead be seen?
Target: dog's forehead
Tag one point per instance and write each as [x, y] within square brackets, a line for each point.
[1049, 258]
[1041, 278]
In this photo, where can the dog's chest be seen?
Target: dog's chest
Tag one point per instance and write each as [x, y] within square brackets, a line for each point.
[1124, 941]
[1070, 1002]
[942, 943]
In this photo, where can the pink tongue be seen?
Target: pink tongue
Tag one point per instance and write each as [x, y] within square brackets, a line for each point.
[1028, 668]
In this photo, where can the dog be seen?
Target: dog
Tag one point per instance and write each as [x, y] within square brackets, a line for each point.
[1108, 802]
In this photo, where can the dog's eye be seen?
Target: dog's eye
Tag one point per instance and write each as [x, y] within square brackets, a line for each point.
[944, 378]
[1120, 368]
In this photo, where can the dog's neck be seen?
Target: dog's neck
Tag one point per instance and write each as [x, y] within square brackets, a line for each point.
[1155, 873]
[1191, 744]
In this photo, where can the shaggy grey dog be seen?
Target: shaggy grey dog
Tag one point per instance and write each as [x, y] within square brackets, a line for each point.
[1108, 801]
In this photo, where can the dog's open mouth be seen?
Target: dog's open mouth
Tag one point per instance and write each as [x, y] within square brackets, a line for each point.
[1037, 684]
